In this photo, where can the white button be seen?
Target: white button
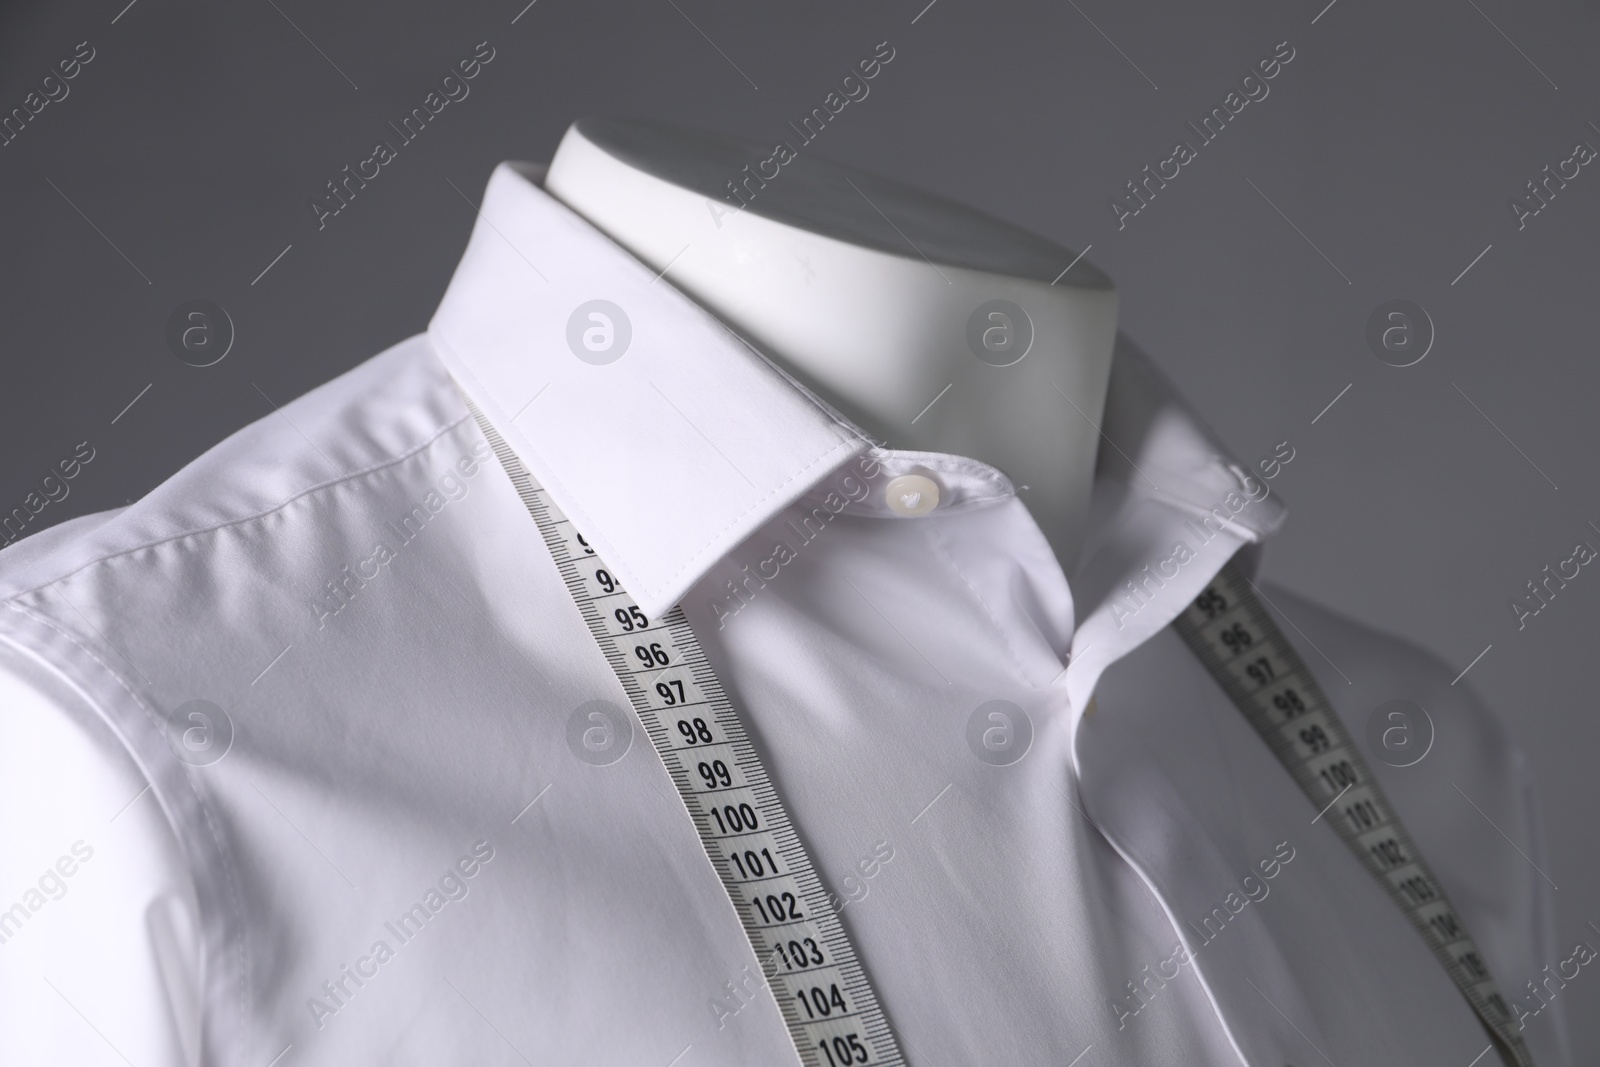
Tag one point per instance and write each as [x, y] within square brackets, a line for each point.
[912, 494]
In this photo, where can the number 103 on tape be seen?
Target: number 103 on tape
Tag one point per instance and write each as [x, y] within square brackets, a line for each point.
[827, 1003]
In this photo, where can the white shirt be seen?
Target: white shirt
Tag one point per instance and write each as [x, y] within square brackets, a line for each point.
[384, 848]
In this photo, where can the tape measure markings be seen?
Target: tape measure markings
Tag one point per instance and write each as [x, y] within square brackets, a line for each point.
[1249, 656]
[735, 801]
[822, 991]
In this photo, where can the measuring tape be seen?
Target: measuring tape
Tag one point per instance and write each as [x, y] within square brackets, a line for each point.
[821, 988]
[822, 991]
[1264, 676]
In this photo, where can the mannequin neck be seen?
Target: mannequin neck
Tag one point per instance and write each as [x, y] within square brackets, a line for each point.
[895, 323]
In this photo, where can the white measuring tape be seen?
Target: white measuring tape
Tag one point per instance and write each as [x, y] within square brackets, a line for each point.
[821, 988]
[1249, 656]
[822, 991]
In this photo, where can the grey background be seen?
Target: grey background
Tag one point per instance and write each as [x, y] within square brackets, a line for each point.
[1393, 141]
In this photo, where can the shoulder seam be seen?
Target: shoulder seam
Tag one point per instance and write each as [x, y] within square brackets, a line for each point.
[340, 480]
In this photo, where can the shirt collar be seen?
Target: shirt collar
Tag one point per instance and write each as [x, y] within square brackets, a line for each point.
[668, 439]
[1170, 507]
[665, 456]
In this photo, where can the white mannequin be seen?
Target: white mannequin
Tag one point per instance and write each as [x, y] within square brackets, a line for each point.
[871, 314]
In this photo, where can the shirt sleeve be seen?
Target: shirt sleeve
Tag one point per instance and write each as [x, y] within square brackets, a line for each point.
[99, 949]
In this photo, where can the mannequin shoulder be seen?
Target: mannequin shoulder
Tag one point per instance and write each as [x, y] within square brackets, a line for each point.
[1365, 668]
[385, 409]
